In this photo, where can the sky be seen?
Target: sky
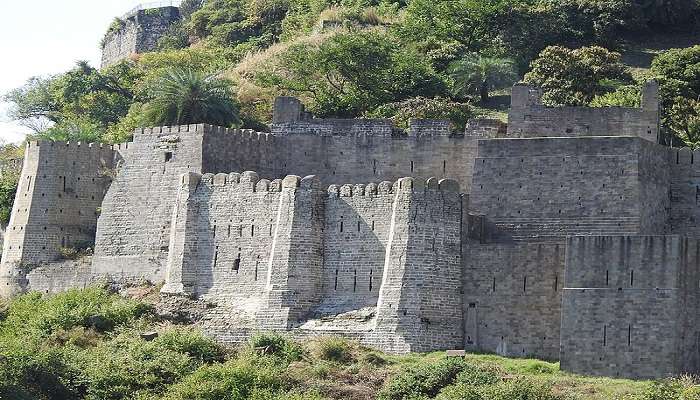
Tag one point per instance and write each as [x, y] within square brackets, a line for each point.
[45, 37]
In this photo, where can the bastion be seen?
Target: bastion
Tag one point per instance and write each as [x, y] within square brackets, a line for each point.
[569, 234]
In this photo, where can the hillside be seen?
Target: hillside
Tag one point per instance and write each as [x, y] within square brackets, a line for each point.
[93, 344]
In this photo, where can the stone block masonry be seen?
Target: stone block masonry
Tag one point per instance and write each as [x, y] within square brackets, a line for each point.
[138, 33]
[630, 306]
[529, 118]
[289, 255]
[569, 235]
[57, 204]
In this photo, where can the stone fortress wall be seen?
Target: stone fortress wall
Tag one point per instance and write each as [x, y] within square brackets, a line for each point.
[527, 240]
[139, 33]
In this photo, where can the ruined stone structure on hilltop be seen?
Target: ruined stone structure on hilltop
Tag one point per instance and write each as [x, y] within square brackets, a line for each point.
[570, 234]
[138, 31]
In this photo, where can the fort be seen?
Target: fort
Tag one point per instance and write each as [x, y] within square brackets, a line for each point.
[138, 31]
[568, 234]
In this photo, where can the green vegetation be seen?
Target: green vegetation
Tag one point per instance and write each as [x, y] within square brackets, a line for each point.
[370, 58]
[92, 344]
[182, 97]
[10, 170]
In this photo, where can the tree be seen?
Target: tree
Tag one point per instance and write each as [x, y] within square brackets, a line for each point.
[54, 106]
[683, 120]
[575, 77]
[478, 75]
[351, 73]
[182, 97]
[10, 170]
[678, 74]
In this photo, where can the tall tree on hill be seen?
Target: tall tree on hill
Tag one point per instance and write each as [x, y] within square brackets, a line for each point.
[574, 77]
[478, 75]
[183, 96]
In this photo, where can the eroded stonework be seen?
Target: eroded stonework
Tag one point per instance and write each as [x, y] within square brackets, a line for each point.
[570, 234]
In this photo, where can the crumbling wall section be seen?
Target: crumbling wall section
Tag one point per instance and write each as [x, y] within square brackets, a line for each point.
[138, 33]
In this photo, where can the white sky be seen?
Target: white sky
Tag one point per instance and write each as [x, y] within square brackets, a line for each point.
[44, 37]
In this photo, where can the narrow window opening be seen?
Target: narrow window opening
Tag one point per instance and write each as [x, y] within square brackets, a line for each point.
[359, 229]
[411, 166]
[240, 231]
[556, 282]
[270, 229]
[524, 283]
[64, 184]
[341, 226]
[354, 282]
[607, 277]
[629, 335]
[632, 278]
[605, 335]
[252, 230]
[493, 286]
[168, 156]
[228, 234]
[374, 167]
[216, 257]
[237, 265]
[444, 167]
[256, 270]
[370, 280]
[335, 285]
[372, 226]
[213, 231]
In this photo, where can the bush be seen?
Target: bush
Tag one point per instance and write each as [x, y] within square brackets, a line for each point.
[425, 379]
[30, 314]
[420, 107]
[192, 343]
[234, 380]
[276, 345]
[333, 349]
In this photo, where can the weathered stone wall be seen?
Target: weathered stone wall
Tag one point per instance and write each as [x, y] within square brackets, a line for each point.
[529, 118]
[547, 189]
[356, 231]
[420, 300]
[630, 306]
[341, 158]
[512, 298]
[139, 33]
[133, 231]
[685, 192]
[56, 206]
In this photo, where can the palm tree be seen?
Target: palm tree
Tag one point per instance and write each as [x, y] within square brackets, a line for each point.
[183, 96]
[478, 75]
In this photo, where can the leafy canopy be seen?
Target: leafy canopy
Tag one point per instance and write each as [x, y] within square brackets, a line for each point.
[184, 96]
[575, 77]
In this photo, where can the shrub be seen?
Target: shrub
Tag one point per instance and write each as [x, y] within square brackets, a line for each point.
[420, 107]
[477, 376]
[520, 389]
[233, 380]
[31, 314]
[333, 349]
[425, 379]
[192, 343]
[373, 358]
[276, 345]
